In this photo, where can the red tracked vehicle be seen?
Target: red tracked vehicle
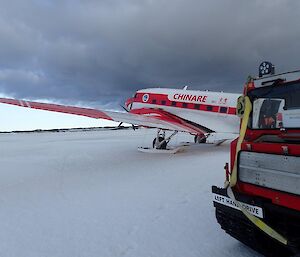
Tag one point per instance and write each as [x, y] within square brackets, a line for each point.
[260, 202]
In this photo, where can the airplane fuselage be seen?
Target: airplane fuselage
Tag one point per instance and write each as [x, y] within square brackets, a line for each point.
[213, 110]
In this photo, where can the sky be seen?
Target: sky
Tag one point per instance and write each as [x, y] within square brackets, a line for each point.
[98, 53]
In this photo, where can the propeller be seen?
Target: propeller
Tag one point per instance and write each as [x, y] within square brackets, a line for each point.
[133, 127]
[124, 108]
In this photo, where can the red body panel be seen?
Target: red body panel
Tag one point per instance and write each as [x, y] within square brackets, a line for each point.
[168, 117]
[271, 148]
[279, 198]
[233, 152]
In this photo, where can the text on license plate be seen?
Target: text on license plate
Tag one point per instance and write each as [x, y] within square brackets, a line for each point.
[254, 210]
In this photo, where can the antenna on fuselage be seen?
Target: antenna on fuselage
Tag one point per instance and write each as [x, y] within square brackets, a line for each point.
[185, 87]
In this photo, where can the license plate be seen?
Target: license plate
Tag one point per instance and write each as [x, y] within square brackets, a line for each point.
[252, 209]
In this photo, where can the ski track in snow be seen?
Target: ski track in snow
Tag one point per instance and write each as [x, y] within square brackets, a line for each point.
[85, 194]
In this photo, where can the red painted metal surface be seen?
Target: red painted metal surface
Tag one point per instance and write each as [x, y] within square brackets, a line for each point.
[277, 197]
[170, 118]
[271, 148]
[233, 152]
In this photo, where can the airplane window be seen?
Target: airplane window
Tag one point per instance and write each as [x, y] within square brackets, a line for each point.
[153, 101]
[223, 110]
[163, 102]
[173, 103]
[197, 106]
[184, 105]
[209, 108]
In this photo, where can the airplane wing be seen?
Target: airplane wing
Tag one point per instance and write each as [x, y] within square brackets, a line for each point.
[152, 118]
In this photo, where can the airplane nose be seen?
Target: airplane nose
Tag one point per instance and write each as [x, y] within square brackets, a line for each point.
[128, 103]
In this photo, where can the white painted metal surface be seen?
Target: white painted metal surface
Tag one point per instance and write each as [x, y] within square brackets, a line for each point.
[278, 172]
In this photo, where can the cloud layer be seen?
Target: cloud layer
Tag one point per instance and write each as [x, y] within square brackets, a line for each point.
[100, 52]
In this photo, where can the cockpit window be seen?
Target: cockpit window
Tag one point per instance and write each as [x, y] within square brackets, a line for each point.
[290, 92]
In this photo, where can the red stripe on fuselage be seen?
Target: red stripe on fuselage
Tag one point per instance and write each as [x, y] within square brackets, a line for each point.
[163, 100]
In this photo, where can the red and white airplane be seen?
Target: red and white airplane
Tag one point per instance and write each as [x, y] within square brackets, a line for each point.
[199, 113]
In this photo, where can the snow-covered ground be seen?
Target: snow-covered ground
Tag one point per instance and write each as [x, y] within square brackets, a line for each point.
[93, 194]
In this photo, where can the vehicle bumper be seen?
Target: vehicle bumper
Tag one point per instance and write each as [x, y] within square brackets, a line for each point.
[235, 223]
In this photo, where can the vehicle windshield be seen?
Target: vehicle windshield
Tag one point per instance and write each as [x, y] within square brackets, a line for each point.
[276, 107]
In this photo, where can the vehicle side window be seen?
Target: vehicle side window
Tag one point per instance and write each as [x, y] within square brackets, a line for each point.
[292, 100]
[268, 113]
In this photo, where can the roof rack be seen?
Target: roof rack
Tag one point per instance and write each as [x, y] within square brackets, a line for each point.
[275, 75]
[275, 79]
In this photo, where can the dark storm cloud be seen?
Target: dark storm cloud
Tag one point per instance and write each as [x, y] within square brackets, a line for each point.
[100, 52]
